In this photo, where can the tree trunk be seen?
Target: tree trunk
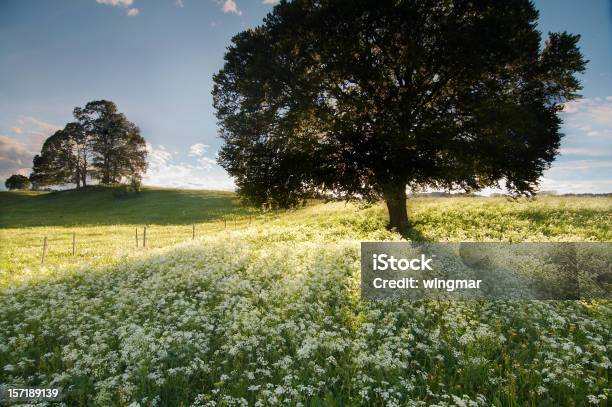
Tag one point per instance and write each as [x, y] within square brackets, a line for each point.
[84, 169]
[395, 198]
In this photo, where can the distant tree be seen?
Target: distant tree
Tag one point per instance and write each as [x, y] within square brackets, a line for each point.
[63, 158]
[56, 163]
[363, 99]
[81, 143]
[102, 144]
[41, 174]
[17, 181]
[119, 150]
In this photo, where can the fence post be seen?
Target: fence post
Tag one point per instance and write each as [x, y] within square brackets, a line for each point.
[193, 231]
[136, 237]
[224, 222]
[42, 260]
[249, 219]
[144, 237]
[73, 242]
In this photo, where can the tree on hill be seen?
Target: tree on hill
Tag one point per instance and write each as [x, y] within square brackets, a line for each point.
[362, 100]
[102, 144]
[63, 158]
[17, 181]
[118, 148]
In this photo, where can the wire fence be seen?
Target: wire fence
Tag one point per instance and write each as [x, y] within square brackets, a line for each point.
[63, 245]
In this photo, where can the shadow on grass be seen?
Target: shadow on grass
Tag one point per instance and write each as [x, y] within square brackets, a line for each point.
[103, 206]
[413, 234]
[565, 215]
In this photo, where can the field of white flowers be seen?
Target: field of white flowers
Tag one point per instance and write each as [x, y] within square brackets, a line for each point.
[271, 315]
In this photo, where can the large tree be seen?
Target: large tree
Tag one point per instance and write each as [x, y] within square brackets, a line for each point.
[363, 99]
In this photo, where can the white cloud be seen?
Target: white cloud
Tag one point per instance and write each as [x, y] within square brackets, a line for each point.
[12, 149]
[179, 3]
[120, 3]
[571, 166]
[586, 151]
[602, 114]
[126, 4]
[586, 154]
[166, 172]
[270, 1]
[206, 163]
[585, 112]
[39, 123]
[590, 152]
[198, 149]
[572, 107]
[36, 131]
[16, 152]
[230, 6]
[15, 157]
[158, 156]
[576, 186]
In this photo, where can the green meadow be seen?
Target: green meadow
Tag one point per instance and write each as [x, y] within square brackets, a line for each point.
[104, 223]
[263, 308]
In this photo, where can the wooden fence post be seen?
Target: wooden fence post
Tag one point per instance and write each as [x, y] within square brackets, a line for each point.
[136, 237]
[73, 243]
[144, 237]
[42, 260]
[224, 222]
[193, 231]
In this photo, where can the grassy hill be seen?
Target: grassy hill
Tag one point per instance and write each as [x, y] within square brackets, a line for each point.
[106, 206]
[265, 308]
[105, 224]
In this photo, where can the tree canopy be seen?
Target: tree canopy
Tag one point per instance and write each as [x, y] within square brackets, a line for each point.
[362, 99]
[101, 144]
[17, 181]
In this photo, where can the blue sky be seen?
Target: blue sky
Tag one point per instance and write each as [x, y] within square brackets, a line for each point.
[155, 59]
